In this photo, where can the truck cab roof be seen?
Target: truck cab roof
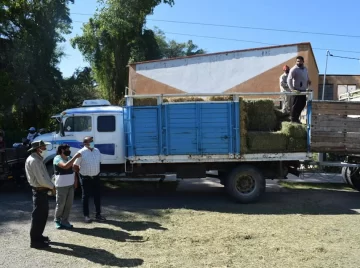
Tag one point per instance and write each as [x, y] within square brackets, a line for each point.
[94, 110]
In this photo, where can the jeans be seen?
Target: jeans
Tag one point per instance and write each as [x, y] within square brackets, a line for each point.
[88, 185]
[299, 103]
[64, 201]
[39, 215]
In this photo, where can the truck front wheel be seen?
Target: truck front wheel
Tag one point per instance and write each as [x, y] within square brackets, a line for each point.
[245, 184]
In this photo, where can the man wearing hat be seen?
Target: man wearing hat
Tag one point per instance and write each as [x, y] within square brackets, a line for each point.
[286, 100]
[40, 181]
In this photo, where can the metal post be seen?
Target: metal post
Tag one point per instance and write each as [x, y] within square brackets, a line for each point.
[323, 89]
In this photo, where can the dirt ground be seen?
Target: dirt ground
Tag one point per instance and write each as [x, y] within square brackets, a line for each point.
[196, 226]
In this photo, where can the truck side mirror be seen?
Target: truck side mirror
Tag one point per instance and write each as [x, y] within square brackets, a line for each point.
[62, 133]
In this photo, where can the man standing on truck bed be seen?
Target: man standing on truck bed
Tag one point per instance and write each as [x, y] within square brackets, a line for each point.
[298, 81]
[286, 100]
[88, 166]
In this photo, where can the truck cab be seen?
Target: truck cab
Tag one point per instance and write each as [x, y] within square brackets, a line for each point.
[95, 118]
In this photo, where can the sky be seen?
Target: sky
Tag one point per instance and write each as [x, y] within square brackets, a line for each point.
[321, 16]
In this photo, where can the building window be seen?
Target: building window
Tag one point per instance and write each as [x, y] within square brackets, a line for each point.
[78, 124]
[106, 123]
[329, 92]
[343, 89]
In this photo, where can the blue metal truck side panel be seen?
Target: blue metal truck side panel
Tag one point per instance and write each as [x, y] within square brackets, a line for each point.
[182, 129]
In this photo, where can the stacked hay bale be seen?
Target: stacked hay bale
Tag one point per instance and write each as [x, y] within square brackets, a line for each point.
[261, 115]
[145, 102]
[296, 135]
[153, 101]
[269, 130]
[183, 99]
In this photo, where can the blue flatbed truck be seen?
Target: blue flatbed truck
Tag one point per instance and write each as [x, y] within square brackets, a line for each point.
[190, 139]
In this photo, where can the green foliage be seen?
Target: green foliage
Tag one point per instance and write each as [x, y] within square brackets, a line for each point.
[110, 37]
[115, 37]
[30, 32]
[32, 86]
[173, 49]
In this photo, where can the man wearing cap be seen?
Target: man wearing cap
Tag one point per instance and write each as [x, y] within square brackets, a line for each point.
[39, 179]
[32, 134]
[88, 167]
[286, 100]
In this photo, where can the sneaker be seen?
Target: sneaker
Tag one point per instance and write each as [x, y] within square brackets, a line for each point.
[100, 218]
[87, 219]
[67, 225]
[58, 225]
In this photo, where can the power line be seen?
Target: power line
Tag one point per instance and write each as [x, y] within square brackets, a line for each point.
[239, 40]
[349, 58]
[248, 41]
[244, 27]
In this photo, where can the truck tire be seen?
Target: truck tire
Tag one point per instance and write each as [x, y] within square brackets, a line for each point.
[344, 175]
[353, 176]
[245, 184]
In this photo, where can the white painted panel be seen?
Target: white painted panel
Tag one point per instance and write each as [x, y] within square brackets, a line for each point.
[216, 73]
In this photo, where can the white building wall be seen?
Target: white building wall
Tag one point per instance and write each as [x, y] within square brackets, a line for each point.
[215, 73]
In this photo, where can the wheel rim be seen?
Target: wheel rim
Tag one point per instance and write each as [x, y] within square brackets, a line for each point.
[245, 184]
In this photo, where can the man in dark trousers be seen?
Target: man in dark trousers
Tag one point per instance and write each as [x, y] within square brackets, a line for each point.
[298, 81]
[41, 184]
[88, 167]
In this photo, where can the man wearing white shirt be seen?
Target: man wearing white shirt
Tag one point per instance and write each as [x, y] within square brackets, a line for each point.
[88, 167]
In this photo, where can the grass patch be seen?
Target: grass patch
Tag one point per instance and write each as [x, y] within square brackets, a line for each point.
[315, 186]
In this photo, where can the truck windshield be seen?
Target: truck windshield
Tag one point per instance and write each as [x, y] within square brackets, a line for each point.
[78, 124]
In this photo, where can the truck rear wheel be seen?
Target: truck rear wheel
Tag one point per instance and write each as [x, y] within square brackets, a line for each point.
[344, 175]
[245, 184]
[353, 177]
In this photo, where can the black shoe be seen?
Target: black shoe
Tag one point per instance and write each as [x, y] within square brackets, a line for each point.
[39, 245]
[98, 217]
[46, 239]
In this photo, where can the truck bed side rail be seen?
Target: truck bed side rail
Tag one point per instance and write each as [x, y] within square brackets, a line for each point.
[335, 127]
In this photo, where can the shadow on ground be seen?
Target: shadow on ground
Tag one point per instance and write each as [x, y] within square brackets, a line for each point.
[106, 233]
[136, 225]
[95, 255]
[17, 206]
[214, 198]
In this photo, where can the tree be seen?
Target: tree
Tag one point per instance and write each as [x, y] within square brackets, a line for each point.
[109, 39]
[32, 31]
[172, 49]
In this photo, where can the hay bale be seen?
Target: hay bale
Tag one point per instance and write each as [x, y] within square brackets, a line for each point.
[145, 102]
[184, 99]
[292, 130]
[261, 115]
[243, 126]
[266, 142]
[297, 145]
[260, 106]
[221, 98]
